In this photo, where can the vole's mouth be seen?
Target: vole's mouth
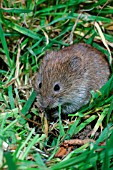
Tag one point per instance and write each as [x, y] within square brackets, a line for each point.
[52, 113]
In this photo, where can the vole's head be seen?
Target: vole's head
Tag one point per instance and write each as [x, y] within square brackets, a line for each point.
[58, 76]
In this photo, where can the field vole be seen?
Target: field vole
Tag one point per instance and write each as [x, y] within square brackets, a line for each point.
[67, 76]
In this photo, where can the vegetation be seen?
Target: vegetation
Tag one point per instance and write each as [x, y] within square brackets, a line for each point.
[27, 139]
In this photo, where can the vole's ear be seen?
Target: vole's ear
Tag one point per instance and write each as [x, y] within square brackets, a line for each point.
[75, 63]
[48, 55]
[47, 52]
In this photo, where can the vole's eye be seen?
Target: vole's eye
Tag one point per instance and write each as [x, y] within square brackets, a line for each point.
[40, 85]
[56, 87]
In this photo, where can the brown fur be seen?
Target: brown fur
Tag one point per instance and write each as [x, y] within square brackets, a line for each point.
[77, 69]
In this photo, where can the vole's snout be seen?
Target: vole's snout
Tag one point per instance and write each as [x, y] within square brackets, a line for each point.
[46, 103]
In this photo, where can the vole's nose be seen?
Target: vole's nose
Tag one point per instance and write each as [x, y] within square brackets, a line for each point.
[46, 103]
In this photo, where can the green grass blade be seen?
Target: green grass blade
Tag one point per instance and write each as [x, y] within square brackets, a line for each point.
[39, 161]
[4, 44]
[11, 164]
[16, 10]
[62, 132]
[24, 31]
[11, 99]
[71, 131]
[29, 103]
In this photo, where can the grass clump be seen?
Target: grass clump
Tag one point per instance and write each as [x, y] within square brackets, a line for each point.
[27, 140]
